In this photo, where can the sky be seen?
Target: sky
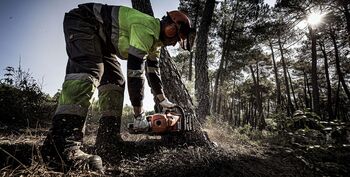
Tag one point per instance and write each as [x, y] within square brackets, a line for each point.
[32, 32]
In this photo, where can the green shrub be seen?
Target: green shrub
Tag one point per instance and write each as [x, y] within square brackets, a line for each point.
[22, 103]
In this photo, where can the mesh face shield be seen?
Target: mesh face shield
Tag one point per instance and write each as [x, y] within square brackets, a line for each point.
[187, 41]
[185, 33]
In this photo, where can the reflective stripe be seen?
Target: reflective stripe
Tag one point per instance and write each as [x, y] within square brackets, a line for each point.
[153, 70]
[115, 30]
[108, 87]
[83, 77]
[137, 52]
[135, 73]
[71, 109]
[110, 100]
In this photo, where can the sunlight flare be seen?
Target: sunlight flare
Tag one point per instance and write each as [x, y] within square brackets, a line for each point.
[315, 18]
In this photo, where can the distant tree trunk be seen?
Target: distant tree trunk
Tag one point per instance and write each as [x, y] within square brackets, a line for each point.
[345, 5]
[293, 93]
[337, 64]
[239, 108]
[314, 78]
[290, 108]
[306, 99]
[268, 106]
[246, 113]
[336, 111]
[278, 86]
[191, 52]
[257, 92]
[218, 76]
[201, 62]
[329, 87]
[309, 91]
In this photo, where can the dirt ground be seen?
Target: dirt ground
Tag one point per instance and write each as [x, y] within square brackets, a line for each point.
[229, 153]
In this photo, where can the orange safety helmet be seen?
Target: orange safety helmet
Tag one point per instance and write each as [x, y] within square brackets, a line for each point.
[182, 28]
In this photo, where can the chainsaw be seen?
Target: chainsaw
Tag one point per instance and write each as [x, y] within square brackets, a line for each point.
[171, 120]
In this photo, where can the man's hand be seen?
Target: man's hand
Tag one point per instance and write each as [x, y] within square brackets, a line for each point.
[166, 103]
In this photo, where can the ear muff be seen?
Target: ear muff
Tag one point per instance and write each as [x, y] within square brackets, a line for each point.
[170, 30]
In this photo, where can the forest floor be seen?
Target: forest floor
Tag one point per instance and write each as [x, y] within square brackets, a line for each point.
[236, 152]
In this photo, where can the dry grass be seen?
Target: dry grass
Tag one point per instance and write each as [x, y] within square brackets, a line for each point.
[240, 152]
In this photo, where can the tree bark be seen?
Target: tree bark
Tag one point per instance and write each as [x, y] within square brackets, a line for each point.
[306, 99]
[201, 62]
[336, 111]
[191, 53]
[174, 89]
[314, 78]
[143, 6]
[344, 4]
[257, 92]
[290, 108]
[278, 86]
[337, 64]
[293, 93]
[329, 87]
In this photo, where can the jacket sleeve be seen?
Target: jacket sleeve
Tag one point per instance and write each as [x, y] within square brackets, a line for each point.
[135, 75]
[153, 75]
[142, 47]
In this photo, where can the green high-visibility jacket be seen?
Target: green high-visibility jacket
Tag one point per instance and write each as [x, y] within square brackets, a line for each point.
[134, 36]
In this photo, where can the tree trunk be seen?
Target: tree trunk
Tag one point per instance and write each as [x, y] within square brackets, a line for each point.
[175, 90]
[336, 111]
[216, 85]
[232, 109]
[239, 108]
[293, 93]
[143, 6]
[314, 78]
[337, 64]
[268, 106]
[257, 92]
[290, 108]
[201, 62]
[309, 91]
[218, 75]
[306, 99]
[344, 4]
[191, 52]
[278, 86]
[329, 87]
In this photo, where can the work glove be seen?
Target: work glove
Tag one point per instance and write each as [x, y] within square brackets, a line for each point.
[167, 104]
[141, 123]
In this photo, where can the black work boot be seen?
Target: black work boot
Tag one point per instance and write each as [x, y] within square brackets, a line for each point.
[108, 135]
[61, 148]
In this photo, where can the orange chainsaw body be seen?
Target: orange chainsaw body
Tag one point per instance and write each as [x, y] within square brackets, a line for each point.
[170, 121]
[161, 123]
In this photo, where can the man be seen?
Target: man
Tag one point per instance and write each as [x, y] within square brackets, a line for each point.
[95, 34]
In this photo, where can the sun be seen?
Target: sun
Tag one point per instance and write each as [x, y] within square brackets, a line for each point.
[315, 18]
